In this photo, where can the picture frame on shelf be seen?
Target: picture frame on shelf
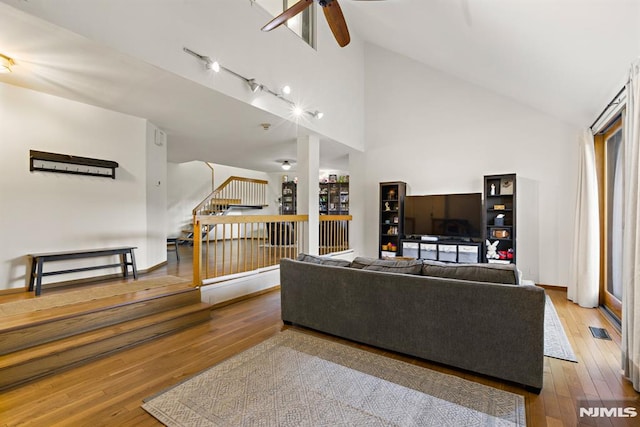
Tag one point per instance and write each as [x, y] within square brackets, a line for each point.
[506, 186]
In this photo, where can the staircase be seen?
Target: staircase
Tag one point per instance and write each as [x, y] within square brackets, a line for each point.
[46, 341]
[234, 194]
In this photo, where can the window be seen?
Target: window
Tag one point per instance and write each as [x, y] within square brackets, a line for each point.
[301, 24]
[609, 155]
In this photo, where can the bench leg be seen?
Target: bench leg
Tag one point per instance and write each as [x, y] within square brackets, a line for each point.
[133, 265]
[32, 274]
[125, 265]
[39, 277]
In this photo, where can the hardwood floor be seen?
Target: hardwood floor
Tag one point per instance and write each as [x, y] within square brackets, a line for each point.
[108, 392]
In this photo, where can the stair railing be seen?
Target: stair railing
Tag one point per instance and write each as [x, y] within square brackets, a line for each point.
[235, 190]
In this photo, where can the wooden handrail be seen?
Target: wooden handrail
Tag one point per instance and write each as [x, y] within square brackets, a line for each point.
[241, 243]
[244, 243]
[248, 219]
[243, 179]
[249, 188]
[328, 218]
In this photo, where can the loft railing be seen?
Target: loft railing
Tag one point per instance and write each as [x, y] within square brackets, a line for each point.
[243, 243]
[334, 233]
[235, 190]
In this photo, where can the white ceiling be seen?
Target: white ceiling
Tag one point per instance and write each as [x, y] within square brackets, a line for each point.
[59, 62]
[565, 57]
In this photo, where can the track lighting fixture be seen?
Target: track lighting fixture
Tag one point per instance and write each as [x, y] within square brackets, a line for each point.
[254, 86]
[286, 165]
[210, 64]
[5, 64]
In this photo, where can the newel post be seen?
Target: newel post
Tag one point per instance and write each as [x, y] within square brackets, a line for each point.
[197, 252]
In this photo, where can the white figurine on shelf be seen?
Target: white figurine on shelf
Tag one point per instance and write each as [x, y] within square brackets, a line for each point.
[492, 250]
[386, 206]
[493, 190]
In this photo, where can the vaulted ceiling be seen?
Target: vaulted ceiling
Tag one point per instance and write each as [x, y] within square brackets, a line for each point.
[564, 57]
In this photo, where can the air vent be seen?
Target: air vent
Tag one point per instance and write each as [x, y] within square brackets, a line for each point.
[600, 333]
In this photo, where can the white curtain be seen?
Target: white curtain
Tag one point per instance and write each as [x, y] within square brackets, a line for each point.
[584, 274]
[631, 235]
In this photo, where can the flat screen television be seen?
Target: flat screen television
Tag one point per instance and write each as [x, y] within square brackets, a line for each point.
[444, 216]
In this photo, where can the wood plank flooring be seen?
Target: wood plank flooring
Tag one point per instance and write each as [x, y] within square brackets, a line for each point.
[109, 391]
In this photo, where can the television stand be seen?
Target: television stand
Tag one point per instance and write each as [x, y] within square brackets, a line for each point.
[455, 251]
[455, 239]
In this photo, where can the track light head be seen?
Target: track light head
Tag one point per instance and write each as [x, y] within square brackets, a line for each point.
[210, 64]
[253, 85]
[317, 114]
[297, 111]
[5, 64]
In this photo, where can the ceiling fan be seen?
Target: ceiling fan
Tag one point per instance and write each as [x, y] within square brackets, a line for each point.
[332, 13]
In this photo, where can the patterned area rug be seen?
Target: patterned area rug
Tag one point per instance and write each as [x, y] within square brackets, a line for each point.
[295, 379]
[44, 301]
[556, 343]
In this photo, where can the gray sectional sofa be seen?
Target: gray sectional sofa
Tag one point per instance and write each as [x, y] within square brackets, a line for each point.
[495, 329]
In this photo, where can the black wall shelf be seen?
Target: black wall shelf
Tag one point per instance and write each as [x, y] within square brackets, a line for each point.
[64, 163]
[500, 191]
[391, 214]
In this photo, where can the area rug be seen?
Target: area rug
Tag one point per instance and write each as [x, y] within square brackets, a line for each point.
[44, 301]
[556, 343]
[295, 379]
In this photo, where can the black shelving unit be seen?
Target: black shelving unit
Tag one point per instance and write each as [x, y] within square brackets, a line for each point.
[323, 199]
[500, 216]
[289, 202]
[391, 207]
[334, 198]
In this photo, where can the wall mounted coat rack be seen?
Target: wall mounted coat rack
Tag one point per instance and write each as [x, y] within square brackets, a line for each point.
[64, 163]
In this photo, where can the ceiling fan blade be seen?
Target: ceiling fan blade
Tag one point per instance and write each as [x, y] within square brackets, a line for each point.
[287, 14]
[338, 25]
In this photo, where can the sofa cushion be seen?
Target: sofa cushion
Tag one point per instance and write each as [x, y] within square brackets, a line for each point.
[393, 266]
[324, 260]
[362, 262]
[493, 273]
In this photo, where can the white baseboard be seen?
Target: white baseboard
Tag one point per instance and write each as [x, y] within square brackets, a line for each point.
[239, 286]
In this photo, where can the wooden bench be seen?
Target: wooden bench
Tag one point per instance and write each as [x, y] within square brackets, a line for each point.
[127, 258]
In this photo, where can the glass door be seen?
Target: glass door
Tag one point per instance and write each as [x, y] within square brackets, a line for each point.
[609, 147]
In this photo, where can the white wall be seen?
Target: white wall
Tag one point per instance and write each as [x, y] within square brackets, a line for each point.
[441, 135]
[228, 31]
[156, 189]
[43, 211]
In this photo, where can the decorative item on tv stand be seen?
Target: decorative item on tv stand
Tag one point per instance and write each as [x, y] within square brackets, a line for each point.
[391, 227]
[500, 218]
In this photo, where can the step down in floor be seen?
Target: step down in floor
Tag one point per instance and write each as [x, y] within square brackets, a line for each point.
[40, 349]
[600, 333]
